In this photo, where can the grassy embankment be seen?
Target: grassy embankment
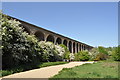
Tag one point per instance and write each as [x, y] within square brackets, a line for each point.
[28, 67]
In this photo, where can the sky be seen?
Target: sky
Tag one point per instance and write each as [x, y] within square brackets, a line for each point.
[93, 23]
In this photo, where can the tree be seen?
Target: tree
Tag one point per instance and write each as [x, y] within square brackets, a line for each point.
[102, 50]
[116, 53]
[93, 53]
[51, 52]
[66, 54]
[17, 46]
[82, 56]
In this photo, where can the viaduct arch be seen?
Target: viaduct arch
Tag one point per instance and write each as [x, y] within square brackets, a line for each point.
[39, 35]
[50, 38]
[65, 43]
[70, 47]
[42, 34]
[58, 41]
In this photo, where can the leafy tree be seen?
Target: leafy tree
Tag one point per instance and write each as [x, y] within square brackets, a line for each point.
[66, 54]
[101, 56]
[82, 56]
[102, 50]
[93, 53]
[99, 53]
[116, 53]
[50, 51]
[20, 48]
[17, 46]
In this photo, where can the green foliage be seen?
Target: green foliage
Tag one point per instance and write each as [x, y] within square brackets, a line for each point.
[77, 57]
[5, 72]
[99, 53]
[51, 64]
[93, 53]
[72, 56]
[101, 56]
[102, 50]
[116, 54]
[66, 54]
[50, 52]
[106, 53]
[82, 56]
[20, 48]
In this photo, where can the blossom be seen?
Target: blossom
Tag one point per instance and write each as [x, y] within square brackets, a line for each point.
[60, 50]
[72, 56]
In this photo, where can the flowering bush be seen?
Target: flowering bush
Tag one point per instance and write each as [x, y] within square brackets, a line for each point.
[17, 46]
[72, 57]
[66, 54]
[51, 52]
[60, 50]
[93, 53]
[21, 48]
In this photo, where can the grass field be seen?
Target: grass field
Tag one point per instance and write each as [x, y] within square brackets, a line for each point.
[28, 67]
[102, 69]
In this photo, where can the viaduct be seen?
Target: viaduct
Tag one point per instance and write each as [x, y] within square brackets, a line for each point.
[41, 34]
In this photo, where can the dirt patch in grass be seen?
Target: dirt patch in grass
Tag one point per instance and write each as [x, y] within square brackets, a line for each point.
[109, 64]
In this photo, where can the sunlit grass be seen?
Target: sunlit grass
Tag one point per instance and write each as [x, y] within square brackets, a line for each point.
[102, 69]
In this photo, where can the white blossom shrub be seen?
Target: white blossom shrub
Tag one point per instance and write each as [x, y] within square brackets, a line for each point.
[93, 53]
[17, 46]
[60, 50]
[72, 56]
[66, 54]
[51, 52]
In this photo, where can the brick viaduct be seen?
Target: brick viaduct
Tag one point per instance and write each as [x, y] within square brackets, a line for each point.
[46, 35]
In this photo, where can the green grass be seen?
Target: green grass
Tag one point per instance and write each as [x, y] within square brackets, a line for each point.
[51, 64]
[28, 67]
[102, 69]
[5, 73]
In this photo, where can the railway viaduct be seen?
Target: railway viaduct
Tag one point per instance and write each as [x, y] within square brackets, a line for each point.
[42, 34]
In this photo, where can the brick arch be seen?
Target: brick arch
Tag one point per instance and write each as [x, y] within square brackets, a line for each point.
[58, 40]
[50, 38]
[39, 35]
[26, 29]
[65, 42]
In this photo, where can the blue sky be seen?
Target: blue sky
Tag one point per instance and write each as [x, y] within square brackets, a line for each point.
[93, 23]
